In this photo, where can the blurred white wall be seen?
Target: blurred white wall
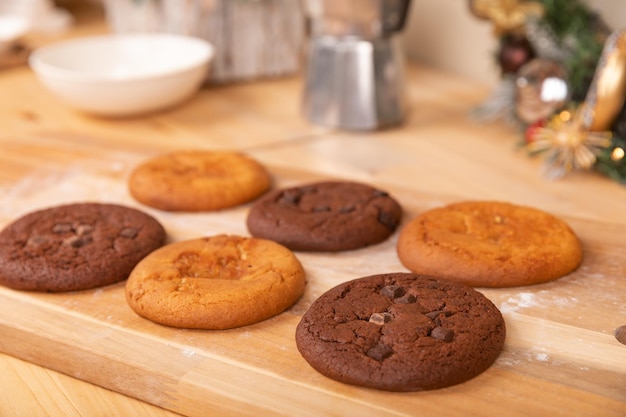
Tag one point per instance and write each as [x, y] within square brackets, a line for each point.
[444, 33]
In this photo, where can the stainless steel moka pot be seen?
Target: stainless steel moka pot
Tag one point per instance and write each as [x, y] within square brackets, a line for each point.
[355, 67]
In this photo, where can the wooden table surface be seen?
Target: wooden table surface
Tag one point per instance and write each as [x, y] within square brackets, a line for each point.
[560, 358]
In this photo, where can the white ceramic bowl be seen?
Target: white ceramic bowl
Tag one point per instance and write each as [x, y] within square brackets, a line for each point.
[123, 74]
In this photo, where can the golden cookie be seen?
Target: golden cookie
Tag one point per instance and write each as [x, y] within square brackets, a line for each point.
[489, 244]
[198, 181]
[217, 282]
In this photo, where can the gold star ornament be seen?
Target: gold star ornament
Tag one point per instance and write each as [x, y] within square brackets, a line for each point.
[569, 145]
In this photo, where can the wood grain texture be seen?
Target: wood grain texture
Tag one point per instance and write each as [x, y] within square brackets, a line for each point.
[560, 357]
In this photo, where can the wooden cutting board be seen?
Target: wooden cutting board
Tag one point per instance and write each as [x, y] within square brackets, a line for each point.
[560, 356]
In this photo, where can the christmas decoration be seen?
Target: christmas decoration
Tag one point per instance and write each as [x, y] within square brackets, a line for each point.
[541, 88]
[515, 51]
[507, 15]
[563, 82]
[500, 105]
[612, 161]
[605, 97]
[569, 146]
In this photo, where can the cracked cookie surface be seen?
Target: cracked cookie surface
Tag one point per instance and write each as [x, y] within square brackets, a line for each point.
[401, 332]
[325, 216]
[216, 282]
[76, 246]
[489, 244]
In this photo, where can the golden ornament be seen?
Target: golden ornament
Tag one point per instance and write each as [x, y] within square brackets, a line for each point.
[508, 16]
[607, 93]
[569, 145]
[541, 89]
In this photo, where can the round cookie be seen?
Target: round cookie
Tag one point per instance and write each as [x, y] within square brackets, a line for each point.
[489, 244]
[217, 282]
[325, 216]
[75, 246]
[401, 332]
[198, 181]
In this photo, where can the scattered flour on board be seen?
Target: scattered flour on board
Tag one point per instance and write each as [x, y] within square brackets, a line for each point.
[522, 300]
[542, 298]
[188, 353]
[40, 191]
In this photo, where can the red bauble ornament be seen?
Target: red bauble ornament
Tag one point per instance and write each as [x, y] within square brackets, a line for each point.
[532, 129]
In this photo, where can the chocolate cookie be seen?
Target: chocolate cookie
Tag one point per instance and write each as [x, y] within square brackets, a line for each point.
[401, 332]
[217, 282]
[198, 181]
[325, 216]
[75, 246]
[489, 244]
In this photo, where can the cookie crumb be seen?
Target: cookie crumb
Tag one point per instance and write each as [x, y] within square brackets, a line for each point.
[620, 334]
